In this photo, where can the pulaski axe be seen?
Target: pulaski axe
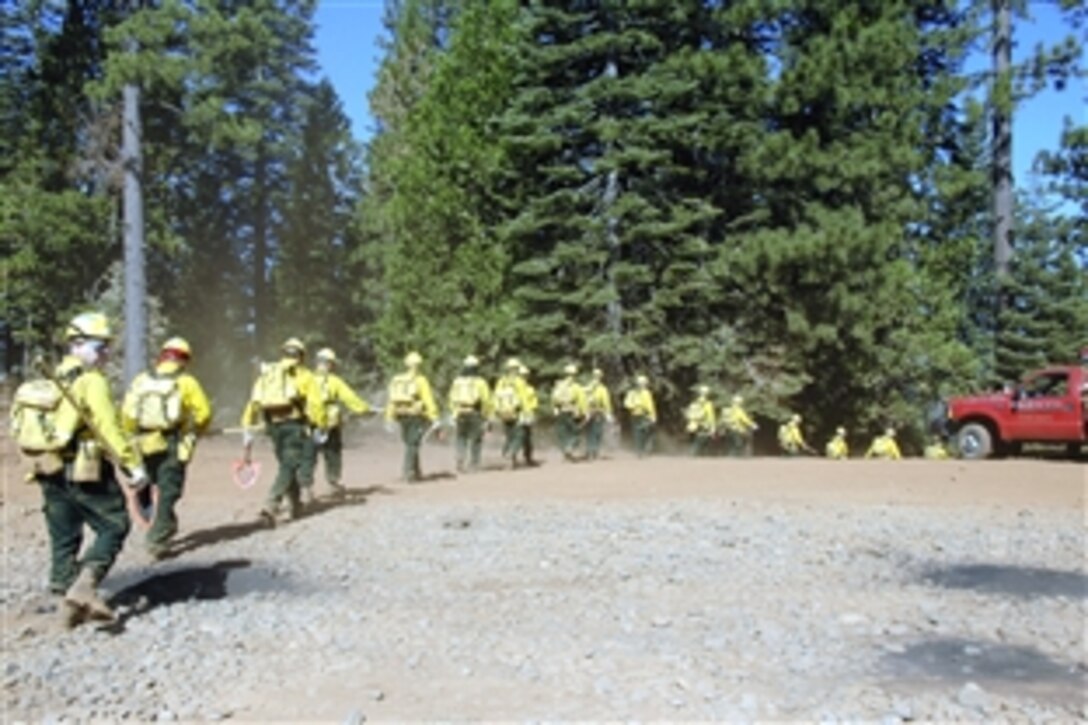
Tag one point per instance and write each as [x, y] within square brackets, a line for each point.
[140, 504]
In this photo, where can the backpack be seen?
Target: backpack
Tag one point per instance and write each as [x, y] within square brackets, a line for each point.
[276, 389]
[34, 418]
[507, 403]
[465, 393]
[158, 402]
[403, 390]
[564, 393]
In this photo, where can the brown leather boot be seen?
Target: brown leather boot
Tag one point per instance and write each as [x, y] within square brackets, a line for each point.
[83, 594]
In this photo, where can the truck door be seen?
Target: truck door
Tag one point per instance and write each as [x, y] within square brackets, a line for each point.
[1046, 409]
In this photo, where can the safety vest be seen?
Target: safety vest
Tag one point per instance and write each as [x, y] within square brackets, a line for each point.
[276, 390]
[158, 402]
[404, 394]
[34, 418]
[329, 400]
[465, 393]
[507, 402]
[563, 397]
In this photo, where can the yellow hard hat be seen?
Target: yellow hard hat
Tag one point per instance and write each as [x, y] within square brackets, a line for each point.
[704, 389]
[598, 373]
[89, 324]
[513, 363]
[738, 399]
[471, 361]
[890, 432]
[642, 380]
[796, 417]
[840, 431]
[327, 354]
[178, 345]
[571, 369]
[413, 358]
[294, 344]
[522, 370]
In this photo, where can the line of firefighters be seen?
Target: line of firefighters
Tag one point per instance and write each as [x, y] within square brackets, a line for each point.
[72, 434]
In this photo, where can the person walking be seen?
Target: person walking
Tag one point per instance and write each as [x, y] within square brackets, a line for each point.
[701, 424]
[790, 439]
[739, 428]
[411, 405]
[639, 403]
[68, 426]
[286, 400]
[884, 447]
[599, 407]
[470, 404]
[837, 448]
[165, 410]
[510, 405]
[336, 395]
[527, 418]
[569, 409]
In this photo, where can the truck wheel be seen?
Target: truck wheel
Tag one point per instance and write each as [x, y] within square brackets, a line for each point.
[975, 442]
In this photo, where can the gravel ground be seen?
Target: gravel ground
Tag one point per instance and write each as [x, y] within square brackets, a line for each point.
[690, 608]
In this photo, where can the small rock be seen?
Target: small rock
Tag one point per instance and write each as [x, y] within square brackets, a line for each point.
[973, 696]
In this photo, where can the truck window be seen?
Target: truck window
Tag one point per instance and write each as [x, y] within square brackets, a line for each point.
[1050, 385]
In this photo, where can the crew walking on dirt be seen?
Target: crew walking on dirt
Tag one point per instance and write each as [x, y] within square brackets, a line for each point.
[287, 401]
[164, 411]
[411, 405]
[790, 438]
[884, 447]
[701, 424]
[837, 449]
[511, 407]
[599, 405]
[335, 396]
[68, 427]
[936, 450]
[569, 409]
[639, 403]
[527, 418]
[470, 404]
[739, 428]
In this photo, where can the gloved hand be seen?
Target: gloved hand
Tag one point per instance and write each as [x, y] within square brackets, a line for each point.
[390, 426]
[139, 479]
[320, 436]
[247, 439]
[610, 420]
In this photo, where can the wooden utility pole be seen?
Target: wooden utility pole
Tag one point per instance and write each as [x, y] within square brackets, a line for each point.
[1002, 100]
[134, 266]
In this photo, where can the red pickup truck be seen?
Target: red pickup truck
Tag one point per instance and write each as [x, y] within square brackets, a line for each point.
[1049, 406]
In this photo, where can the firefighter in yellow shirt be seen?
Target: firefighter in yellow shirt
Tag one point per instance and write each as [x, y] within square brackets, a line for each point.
[165, 409]
[510, 405]
[739, 428]
[527, 418]
[884, 447]
[599, 407]
[470, 405]
[82, 489]
[569, 409]
[287, 402]
[790, 438]
[701, 423]
[837, 449]
[335, 396]
[411, 404]
[639, 402]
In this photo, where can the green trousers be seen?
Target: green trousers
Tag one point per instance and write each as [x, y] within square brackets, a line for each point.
[412, 430]
[527, 443]
[739, 444]
[332, 451]
[168, 476]
[68, 507]
[568, 431]
[594, 435]
[308, 467]
[700, 443]
[289, 440]
[470, 440]
[513, 438]
[644, 435]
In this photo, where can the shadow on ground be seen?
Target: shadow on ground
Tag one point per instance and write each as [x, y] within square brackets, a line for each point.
[239, 530]
[1000, 668]
[227, 578]
[1019, 581]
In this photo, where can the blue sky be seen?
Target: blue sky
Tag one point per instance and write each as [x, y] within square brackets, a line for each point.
[347, 46]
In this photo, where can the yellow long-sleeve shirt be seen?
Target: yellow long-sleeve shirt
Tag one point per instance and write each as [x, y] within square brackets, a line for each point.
[837, 449]
[640, 403]
[884, 447]
[700, 416]
[735, 419]
[569, 397]
[310, 408]
[469, 393]
[598, 399]
[91, 391]
[410, 394]
[790, 437]
[936, 452]
[514, 398]
[337, 395]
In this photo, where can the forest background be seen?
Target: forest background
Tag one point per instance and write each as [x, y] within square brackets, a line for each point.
[785, 199]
